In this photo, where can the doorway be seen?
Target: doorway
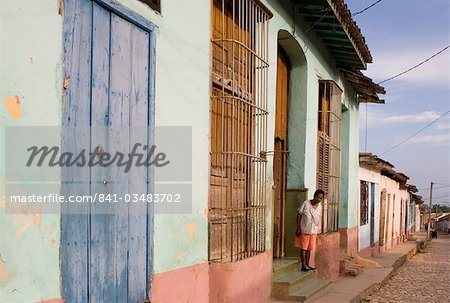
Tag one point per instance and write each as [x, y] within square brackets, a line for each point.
[280, 152]
[372, 215]
[106, 251]
[382, 218]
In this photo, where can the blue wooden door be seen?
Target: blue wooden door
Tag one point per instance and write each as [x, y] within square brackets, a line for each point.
[109, 67]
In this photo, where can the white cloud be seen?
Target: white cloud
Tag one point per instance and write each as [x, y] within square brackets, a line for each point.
[427, 116]
[434, 72]
[431, 139]
[443, 126]
[377, 117]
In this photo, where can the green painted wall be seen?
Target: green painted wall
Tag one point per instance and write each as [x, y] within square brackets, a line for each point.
[303, 96]
[30, 68]
[182, 99]
[348, 208]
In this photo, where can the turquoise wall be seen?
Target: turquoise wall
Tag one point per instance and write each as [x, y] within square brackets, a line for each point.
[348, 208]
[31, 41]
[182, 99]
[311, 64]
[30, 68]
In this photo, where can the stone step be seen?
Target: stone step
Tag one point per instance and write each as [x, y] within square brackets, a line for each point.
[283, 284]
[283, 266]
[307, 289]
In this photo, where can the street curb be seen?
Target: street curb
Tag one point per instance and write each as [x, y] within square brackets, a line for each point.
[374, 287]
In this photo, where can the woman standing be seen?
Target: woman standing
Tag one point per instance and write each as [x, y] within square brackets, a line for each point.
[308, 220]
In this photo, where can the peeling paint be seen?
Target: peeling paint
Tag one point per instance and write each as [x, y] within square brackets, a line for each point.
[60, 7]
[23, 221]
[191, 231]
[13, 106]
[181, 256]
[49, 230]
[37, 221]
[4, 275]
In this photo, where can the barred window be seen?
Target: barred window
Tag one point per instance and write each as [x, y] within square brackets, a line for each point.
[238, 104]
[329, 152]
[364, 203]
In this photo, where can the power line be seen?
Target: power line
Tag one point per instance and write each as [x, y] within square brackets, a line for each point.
[327, 10]
[434, 198]
[416, 133]
[425, 189]
[363, 10]
[416, 66]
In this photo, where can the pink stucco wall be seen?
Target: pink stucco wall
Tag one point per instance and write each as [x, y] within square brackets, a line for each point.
[187, 284]
[369, 251]
[244, 281]
[327, 256]
[349, 239]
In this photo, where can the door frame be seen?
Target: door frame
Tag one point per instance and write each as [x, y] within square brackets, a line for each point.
[280, 237]
[139, 21]
[382, 219]
[372, 214]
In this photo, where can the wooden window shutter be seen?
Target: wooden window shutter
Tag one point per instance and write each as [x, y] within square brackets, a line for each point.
[329, 152]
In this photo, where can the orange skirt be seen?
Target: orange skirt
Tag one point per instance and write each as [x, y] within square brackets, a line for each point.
[305, 241]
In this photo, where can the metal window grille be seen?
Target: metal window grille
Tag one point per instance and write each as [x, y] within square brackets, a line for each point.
[238, 108]
[328, 175]
[364, 203]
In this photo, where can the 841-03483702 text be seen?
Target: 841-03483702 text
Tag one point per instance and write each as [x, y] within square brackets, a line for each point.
[99, 198]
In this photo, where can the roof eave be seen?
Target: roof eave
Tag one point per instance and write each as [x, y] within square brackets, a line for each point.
[333, 24]
[344, 27]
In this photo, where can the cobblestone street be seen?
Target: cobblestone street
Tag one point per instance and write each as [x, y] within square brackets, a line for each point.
[424, 278]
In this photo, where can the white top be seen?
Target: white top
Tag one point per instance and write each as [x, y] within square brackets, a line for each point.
[310, 219]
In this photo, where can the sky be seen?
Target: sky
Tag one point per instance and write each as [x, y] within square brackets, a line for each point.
[401, 34]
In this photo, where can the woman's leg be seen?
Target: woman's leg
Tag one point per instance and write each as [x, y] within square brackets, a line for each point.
[303, 258]
[311, 247]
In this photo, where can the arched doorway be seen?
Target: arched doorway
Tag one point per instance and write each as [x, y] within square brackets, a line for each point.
[289, 139]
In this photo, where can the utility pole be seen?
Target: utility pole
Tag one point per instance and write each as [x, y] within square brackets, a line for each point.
[429, 218]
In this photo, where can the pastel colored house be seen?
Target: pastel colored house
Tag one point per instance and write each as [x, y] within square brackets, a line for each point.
[387, 206]
[443, 222]
[270, 91]
[418, 205]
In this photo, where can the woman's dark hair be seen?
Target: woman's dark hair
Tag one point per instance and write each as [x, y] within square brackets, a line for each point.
[318, 192]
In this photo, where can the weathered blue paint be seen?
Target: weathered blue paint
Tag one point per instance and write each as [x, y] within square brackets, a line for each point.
[109, 59]
[74, 227]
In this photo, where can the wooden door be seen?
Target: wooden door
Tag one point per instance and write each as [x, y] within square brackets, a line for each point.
[393, 220]
[372, 214]
[280, 148]
[232, 134]
[388, 218]
[106, 251]
[401, 219]
[382, 217]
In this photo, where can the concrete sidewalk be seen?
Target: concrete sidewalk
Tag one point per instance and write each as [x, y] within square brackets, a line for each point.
[353, 289]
